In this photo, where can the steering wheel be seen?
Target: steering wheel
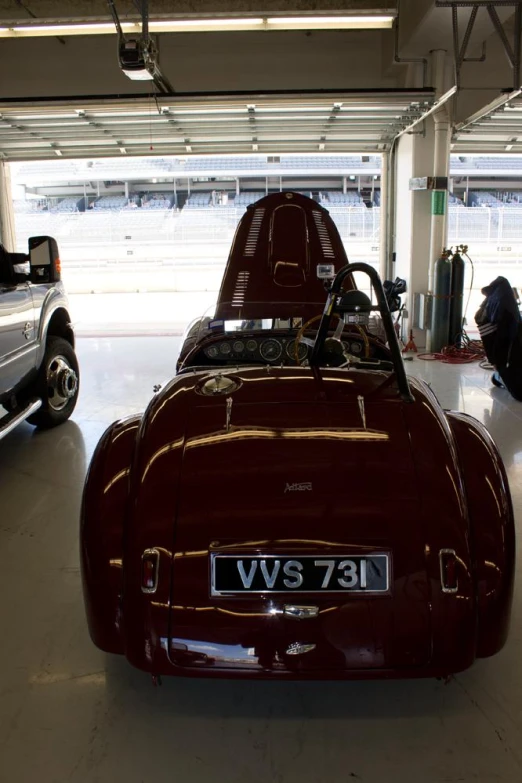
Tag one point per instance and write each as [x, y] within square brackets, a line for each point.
[300, 338]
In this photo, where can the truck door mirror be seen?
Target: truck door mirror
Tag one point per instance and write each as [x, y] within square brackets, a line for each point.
[44, 260]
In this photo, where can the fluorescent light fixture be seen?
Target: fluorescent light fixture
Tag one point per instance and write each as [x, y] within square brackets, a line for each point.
[59, 153]
[205, 25]
[66, 28]
[346, 22]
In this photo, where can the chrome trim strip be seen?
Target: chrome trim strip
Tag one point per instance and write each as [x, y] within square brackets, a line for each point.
[448, 590]
[300, 612]
[147, 553]
[347, 591]
[14, 419]
[16, 355]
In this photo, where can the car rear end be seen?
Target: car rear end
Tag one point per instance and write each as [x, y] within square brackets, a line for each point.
[281, 531]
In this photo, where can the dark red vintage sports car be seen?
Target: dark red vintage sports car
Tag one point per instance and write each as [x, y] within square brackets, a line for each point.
[290, 504]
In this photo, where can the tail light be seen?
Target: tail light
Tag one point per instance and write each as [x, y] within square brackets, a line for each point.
[149, 570]
[448, 570]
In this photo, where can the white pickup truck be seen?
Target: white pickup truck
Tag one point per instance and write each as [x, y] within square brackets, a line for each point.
[39, 375]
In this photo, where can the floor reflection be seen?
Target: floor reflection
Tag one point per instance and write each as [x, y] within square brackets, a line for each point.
[69, 712]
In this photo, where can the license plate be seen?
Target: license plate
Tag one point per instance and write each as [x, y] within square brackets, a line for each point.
[240, 574]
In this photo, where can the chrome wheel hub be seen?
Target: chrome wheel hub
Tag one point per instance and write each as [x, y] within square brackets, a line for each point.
[62, 383]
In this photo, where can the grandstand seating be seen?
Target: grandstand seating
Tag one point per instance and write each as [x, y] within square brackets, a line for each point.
[484, 199]
[69, 204]
[110, 202]
[157, 201]
[489, 162]
[350, 199]
[139, 168]
[512, 199]
[125, 168]
[246, 198]
[454, 201]
[198, 200]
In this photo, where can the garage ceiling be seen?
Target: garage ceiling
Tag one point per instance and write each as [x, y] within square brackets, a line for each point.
[193, 124]
[496, 129]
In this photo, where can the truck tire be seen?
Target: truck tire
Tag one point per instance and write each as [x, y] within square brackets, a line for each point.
[57, 384]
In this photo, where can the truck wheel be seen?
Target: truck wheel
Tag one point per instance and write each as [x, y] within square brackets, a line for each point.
[57, 384]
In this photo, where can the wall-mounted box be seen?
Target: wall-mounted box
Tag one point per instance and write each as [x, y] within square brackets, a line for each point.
[429, 183]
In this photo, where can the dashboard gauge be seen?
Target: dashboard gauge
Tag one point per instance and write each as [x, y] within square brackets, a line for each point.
[302, 351]
[251, 346]
[356, 348]
[212, 352]
[225, 348]
[239, 346]
[270, 350]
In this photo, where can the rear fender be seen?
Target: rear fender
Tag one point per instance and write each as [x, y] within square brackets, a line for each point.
[446, 523]
[492, 529]
[104, 505]
[153, 500]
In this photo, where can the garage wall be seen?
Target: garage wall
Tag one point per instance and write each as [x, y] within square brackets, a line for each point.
[87, 65]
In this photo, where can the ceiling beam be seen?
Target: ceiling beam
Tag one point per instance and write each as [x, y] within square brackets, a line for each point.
[89, 8]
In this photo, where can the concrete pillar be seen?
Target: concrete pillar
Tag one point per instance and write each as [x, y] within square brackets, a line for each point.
[412, 234]
[7, 224]
[419, 236]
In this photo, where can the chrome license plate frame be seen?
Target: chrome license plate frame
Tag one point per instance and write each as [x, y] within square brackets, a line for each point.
[259, 574]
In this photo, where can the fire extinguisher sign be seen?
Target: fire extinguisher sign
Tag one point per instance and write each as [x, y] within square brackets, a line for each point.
[438, 202]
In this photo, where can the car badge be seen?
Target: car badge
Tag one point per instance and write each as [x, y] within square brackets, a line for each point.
[296, 648]
[304, 486]
[217, 385]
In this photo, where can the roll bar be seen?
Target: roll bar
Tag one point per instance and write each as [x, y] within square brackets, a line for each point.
[331, 308]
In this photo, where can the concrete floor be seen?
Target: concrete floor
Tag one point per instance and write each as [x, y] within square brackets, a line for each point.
[70, 713]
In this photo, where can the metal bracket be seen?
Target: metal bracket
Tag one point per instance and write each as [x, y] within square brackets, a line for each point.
[512, 50]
